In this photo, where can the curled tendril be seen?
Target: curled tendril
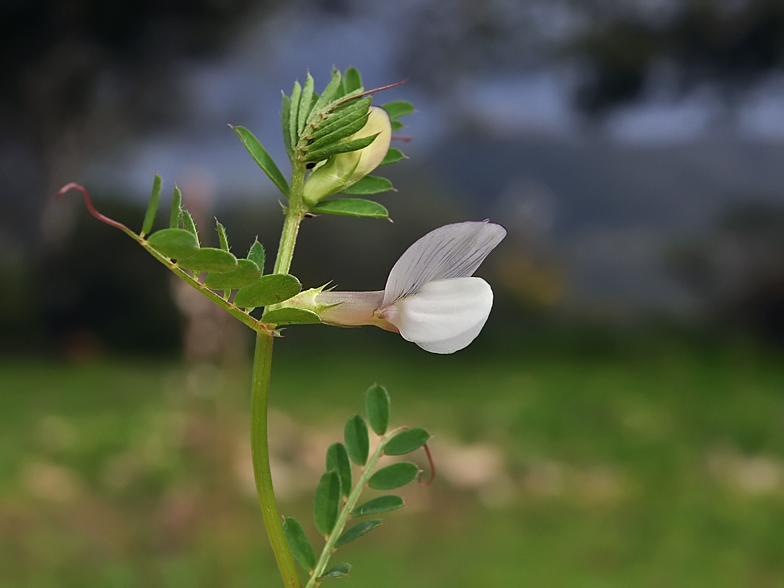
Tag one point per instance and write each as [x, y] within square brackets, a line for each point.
[432, 468]
[91, 208]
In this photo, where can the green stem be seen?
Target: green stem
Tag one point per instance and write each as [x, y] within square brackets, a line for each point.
[345, 513]
[294, 215]
[262, 364]
[241, 315]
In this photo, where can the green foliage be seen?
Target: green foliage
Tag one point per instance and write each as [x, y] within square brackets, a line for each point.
[339, 147]
[176, 209]
[393, 156]
[369, 185]
[357, 441]
[406, 441]
[378, 505]
[358, 530]
[337, 571]
[256, 255]
[301, 548]
[394, 476]
[337, 460]
[246, 273]
[327, 502]
[209, 259]
[174, 243]
[223, 238]
[377, 408]
[263, 159]
[305, 104]
[397, 109]
[267, 290]
[188, 224]
[351, 207]
[152, 207]
[291, 316]
[352, 81]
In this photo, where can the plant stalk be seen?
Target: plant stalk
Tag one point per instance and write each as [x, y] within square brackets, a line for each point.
[262, 364]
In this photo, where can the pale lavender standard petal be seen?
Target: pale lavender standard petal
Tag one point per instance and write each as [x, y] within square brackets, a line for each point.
[451, 251]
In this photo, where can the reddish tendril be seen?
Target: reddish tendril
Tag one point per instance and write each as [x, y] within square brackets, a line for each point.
[404, 138]
[432, 467]
[90, 207]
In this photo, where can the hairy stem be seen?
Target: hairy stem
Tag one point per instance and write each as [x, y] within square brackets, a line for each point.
[350, 505]
[262, 364]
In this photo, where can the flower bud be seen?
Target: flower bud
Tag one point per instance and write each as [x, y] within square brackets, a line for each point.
[344, 169]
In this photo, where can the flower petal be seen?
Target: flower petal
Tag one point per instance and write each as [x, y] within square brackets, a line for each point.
[451, 251]
[443, 316]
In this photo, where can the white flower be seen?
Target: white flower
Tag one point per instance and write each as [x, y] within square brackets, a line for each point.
[430, 297]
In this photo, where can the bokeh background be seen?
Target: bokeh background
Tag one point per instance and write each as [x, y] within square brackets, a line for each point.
[617, 423]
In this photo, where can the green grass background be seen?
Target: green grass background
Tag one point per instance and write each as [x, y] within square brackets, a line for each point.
[660, 466]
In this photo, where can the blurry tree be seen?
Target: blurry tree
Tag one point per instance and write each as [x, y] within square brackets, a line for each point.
[78, 77]
[729, 44]
[737, 271]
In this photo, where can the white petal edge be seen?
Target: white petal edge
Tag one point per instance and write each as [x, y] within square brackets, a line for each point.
[451, 251]
[443, 316]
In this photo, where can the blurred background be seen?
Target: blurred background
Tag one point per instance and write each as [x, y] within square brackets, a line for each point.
[617, 423]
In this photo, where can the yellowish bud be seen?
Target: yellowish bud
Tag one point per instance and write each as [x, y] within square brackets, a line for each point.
[342, 170]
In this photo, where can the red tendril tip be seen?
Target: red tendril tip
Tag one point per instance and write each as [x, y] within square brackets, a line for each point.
[432, 467]
[90, 207]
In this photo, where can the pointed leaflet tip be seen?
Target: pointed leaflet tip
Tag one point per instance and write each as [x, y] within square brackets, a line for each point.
[89, 204]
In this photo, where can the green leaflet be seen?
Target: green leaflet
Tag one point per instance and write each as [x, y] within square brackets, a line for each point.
[256, 255]
[398, 109]
[305, 103]
[345, 147]
[327, 503]
[358, 530]
[340, 132]
[209, 259]
[291, 316]
[188, 224]
[340, 118]
[223, 238]
[406, 441]
[296, 95]
[285, 116]
[329, 92]
[174, 243]
[394, 476]
[377, 408]
[378, 505]
[393, 156]
[152, 207]
[245, 274]
[337, 571]
[357, 441]
[351, 207]
[352, 80]
[267, 290]
[337, 459]
[301, 548]
[263, 159]
[176, 209]
[369, 185]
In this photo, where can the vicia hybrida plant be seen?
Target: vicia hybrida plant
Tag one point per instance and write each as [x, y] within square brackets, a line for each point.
[334, 141]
